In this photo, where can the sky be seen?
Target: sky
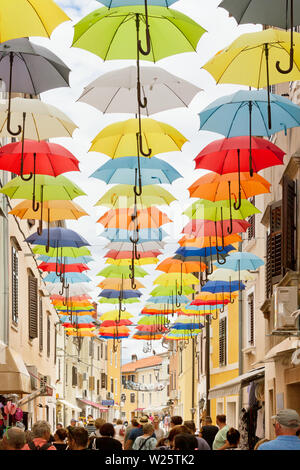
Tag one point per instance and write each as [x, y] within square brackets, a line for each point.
[86, 67]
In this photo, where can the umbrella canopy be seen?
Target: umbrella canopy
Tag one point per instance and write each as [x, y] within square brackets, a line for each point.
[184, 252]
[214, 187]
[68, 268]
[35, 69]
[119, 271]
[122, 171]
[208, 298]
[230, 115]
[59, 237]
[171, 32]
[240, 261]
[229, 274]
[166, 298]
[61, 252]
[114, 315]
[233, 154]
[216, 287]
[125, 235]
[123, 218]
[75, 289]
[128, 261]
[170, 279]
[171, 265]
[115, 294]
[52, 210]
[119, 139]
[152, 328]
[25, 18]
[116, 301]
[43, 158]
[67, 259]
[117, 284]
[122, 196]
[199, 227]
[43, 121]
[69, 278]
[119, 255]
[121, 3]
[170, 290]
[153, 245]
[208, 210]
[115, 92]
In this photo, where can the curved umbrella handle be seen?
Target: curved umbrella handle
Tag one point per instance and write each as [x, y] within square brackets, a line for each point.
[219, 259]
[40, 227]
[141, 104]
[148, 41]
[237, 205]
[138, 176]
[140, 143]
[35, 206]
[48, 232]
[11, 61]
[216, 315]
[216, 233]
[290, 68]
[28, 178]
[229, 229]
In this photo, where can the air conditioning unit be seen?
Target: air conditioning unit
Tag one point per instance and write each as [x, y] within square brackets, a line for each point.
[45, 386]
[285, 303]
[33, 372]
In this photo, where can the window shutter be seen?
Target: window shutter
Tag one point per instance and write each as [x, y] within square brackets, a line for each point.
[274, 241]
[98, 387]
[41, 330]
[251, 320]
[74, 376]
[251, 220]
[15, 284]
[288, 224]
[91, 383]
[103, 380]
[112, 385]
[132, 397]
[33, 306]
[48, 335]
[80, 380]
[222, 341]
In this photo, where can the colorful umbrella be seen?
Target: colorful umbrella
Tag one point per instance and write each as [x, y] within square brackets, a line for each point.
[240, 261]
[124, 218]
[113, 254]
[229, 274]
[202, 242]
[121, 196]
[116, 283]
[68, 268]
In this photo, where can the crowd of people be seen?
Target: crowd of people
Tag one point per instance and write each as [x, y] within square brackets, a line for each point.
[148, 434]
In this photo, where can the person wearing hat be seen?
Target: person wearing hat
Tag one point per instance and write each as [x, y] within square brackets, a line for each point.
[287, 423]
[136, 432]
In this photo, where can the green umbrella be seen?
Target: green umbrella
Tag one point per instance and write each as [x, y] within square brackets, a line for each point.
[105, 300]
[119, 271]
[208, 210]
[64, 251]
[169, 291]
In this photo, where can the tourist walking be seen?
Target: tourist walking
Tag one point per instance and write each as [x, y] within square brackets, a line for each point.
[221, 436]
[147, 441]
[287, 423]
[13, 439]
[208, 431]
[107, 441]
[40, 434]
[201, 443]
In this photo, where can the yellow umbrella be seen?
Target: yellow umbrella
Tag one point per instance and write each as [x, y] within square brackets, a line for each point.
[23, 18]
[122, 196]
[171, 278]
[52, 210]
[119, 139]
[126, 262]
[114, 315]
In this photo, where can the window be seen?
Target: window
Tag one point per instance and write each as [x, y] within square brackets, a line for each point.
[116, 386]
[101, 350]
[106, 352]
[41, 330]
[288, 224]
[32, 305]
[74, 376]
[103, 380]
[123, 379]
[112, 385]
[251, 220]
[150, 398]
[222, 341]
[98, 353]
[48, 335]
[132, 397]
[150, 378]
[251, 319]
[143, 397]
[143, 379]
[273, 249]
[15, 284]
[98, 387]
[91, 348]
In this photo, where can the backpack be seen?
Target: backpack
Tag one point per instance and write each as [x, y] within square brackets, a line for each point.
[32, 446]
[144, 442]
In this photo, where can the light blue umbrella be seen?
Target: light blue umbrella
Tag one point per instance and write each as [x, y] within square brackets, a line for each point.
[124, 3]
[77, 319]
[70, 278]
[66, 259]
[145, 234]
[230, 114]
[164, 299]
[242, 261]
[122, 171]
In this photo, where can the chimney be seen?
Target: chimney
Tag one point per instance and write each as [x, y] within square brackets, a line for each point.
[134, 358]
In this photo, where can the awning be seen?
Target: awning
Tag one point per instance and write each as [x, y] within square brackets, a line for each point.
[139, 409]
[68, 404]
[14, 376]
[156, 409]
[95, 405]
[233, 387]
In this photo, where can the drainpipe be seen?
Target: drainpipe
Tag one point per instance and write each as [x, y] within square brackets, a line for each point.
[4, 275]
[207, 362]
[240, 338]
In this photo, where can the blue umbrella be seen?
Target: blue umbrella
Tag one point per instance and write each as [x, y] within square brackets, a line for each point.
[165, 299]
[145, 234]
[122, 171]
[59, 237]
[242, 261]
[66, 259]
[69, 278]
[124, 3]
[230, 115]
[185, 252]
[77, 319]
[187, 326]
[115, 294]
[216, 287]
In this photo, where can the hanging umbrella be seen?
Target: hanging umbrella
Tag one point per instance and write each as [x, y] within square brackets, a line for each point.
[115, 294]
[28, 68]
[126, 262]
[199, 227]
[115, 92]
[116, 283]
[115, 301]
[240, 261]
[119, 271]
[167, 280]
[121, 196]
[124, 218]
[283, 14]
[143, 235]
[208, 210]
[170, 290]
[171, 265]
[67, 259]
[42, 158]
[153, 245]
[25, 18]
[226, 274]
[117, 255]
[202, 242]
[70, 277]
[62, 251]
[68, 268]
[251, 60]
[119, 139]
[187, 252]
[121, 3]
[75, 289]
[59, 237]
[114, 315]
[152, 328]
[166, 298]
[122, 171]
[73, 298]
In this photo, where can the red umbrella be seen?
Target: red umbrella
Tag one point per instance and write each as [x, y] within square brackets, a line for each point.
[43, 158]
[233, 155]
[152, 328]
[67, 268]
[106, 323]
[203, 228]
[114, 254]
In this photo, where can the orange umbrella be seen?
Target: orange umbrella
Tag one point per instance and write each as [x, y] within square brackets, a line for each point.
[219, 297]
[171, 265]
[79, 333]
[114, 330]
[215, 187]
[150, 217]
[203, 242]
[116, 284]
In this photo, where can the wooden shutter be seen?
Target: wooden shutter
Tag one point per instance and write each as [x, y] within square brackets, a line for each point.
[91, 383]
[41, 329]
[222, 341]
[80, 380]
[15, 284]
[251, 220]
[48, 335]
[288, 224]
[112, 385]
[132, 397]
[251, 320]
[98, 387]
[74, 376]
[33, 306]
[103, 381]
[273, 249]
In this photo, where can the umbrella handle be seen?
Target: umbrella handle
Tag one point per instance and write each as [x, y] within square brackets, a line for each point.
[142, 104]
[290, 68]
[238, 204]
[140, 146]
[40, 227]
[216, 315]
[229, 229]
[138, 192]
[11, 58]
[250, 139]
[48, 232]
[216, 232]
[22, 156]
[35, 206]
[148, 41]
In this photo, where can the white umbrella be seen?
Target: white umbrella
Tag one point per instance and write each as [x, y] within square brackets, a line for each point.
[115, 92]
[42, 121]
[226, 274]
[77, 288]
